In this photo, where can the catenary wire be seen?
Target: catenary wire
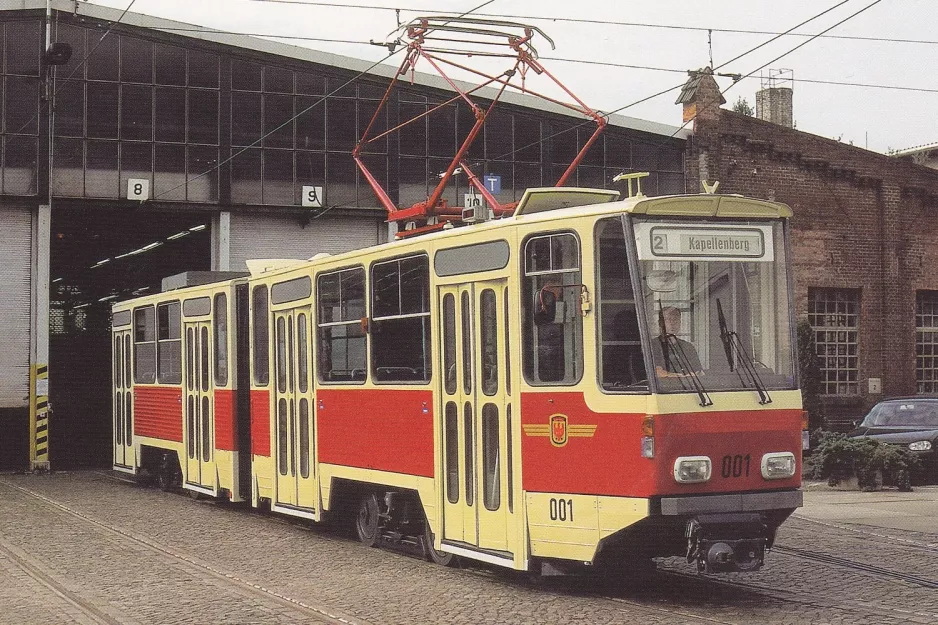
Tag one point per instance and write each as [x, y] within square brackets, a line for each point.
[545, 58]
[678, 86]
[603, 22]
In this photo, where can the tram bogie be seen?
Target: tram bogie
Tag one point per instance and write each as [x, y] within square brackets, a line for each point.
[599, 384]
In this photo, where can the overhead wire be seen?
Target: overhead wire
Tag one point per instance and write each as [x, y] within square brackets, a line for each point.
[678, 86]
[543, 58]
[600, 22]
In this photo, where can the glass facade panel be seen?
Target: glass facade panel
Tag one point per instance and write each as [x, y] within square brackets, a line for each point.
[341, 175]
[68, 177]
[170, 114]
[101, 176]
[202, 181]
[246, 118]
[70, 108]
[245, 75]
[310, 123]
[203, 116]
[136, 60]
[278, 177]
[169, 180]
[136, 161]
[278, 121]
[21, 108]
[246, 177]
[136, 112]
[23, 47]
[203, 69]
[343, 134]
[75, 37]
[169, 65]
[19, 165]
[278, 80]
[103, 63]
[312, 84]
[102, 110]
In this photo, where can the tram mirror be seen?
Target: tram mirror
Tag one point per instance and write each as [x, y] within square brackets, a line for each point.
[545, 306]
[662, 280]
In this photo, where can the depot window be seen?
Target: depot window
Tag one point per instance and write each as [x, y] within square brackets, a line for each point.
[553, 327]
[169, 344]
[401, 320]
[834, 316]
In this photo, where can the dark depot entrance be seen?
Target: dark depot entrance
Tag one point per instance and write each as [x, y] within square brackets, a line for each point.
[98, 257]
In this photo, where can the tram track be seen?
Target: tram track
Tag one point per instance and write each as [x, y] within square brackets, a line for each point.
[857, 566]
[41, 575]
[320, 614]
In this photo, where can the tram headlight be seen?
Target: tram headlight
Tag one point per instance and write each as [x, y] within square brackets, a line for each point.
[920, 446]
[692, 469]
[778, 465]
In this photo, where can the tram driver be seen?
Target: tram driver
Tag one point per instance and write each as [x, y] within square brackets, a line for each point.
[682, 355]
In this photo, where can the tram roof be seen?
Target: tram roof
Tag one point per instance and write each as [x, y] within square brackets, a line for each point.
[700, 206]
[382, 70]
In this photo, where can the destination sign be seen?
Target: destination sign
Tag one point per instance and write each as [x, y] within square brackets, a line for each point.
[657, 241]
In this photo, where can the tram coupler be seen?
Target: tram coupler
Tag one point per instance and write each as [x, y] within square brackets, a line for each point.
[724, 543]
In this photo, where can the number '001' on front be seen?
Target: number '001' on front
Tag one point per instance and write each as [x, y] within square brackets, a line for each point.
[663, 241]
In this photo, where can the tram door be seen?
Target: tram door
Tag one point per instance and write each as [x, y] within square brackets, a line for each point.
[475, 431]
[124, 455]
[200, 420]
[297, 482]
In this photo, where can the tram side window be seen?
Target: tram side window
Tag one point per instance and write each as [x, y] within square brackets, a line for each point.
[553, 327]
[341, 345]
[221, 339]
[400, 333]
[621, 366]
[144, 345]
[261, 337]
[169, 344]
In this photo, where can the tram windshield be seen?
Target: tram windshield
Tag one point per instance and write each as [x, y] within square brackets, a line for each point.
[716, 303]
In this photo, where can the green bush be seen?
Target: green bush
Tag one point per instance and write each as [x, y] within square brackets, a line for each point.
[837, 458]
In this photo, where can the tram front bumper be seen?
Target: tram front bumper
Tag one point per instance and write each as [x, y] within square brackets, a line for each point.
[731, 532]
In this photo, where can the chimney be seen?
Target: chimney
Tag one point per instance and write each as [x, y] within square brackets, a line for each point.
[700, 96]
[774, 101]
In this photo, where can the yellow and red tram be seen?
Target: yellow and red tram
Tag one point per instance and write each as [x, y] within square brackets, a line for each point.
[591, 380]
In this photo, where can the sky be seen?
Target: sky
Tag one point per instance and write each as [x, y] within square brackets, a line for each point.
[894, 109]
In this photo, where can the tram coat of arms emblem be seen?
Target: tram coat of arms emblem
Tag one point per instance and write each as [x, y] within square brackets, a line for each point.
[558, 430]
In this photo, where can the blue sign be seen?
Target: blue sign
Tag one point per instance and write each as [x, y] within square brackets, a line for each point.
[493, 183]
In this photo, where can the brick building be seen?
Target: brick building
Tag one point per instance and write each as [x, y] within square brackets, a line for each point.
[864, 247]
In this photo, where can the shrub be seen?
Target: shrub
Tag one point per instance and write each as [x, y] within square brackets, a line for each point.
[837, 458]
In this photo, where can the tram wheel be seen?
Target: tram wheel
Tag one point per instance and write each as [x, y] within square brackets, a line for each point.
[438, 557]
[366, 523]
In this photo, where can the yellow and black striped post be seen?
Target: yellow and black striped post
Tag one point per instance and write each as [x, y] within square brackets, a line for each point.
[39, 413]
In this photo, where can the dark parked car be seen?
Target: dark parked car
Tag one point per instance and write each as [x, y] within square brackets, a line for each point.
[911, 422]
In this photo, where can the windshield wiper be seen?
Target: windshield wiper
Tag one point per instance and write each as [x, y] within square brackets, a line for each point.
[670, 347]
[731, 344]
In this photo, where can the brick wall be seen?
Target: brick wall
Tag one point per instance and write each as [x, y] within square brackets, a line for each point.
[861, 220]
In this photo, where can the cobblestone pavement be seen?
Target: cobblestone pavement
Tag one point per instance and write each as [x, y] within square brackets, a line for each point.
[89, 548]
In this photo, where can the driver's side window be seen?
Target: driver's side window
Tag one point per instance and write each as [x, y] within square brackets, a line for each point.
[622, 365]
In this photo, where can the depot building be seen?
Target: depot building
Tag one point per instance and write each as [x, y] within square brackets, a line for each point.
[135, 148]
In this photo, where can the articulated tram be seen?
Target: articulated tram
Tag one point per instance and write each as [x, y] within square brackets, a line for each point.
[591, 380]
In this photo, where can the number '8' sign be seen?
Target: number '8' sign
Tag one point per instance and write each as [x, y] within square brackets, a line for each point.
[138, 189]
